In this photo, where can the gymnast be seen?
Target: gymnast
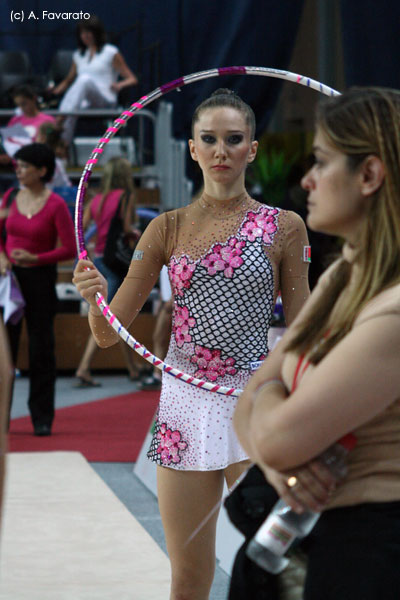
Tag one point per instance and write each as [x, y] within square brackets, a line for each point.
[228, 257]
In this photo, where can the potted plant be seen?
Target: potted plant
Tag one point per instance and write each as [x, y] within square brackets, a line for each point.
[269, 173]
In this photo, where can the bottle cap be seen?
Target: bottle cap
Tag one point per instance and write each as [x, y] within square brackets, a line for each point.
[348, 441]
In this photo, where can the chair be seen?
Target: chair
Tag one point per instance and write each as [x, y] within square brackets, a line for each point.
[15, 62]
[59, 69]
[60, 65]
[9, 81]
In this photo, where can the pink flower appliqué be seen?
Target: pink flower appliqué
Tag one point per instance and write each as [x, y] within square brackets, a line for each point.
[170, 445]
[261, 224]
[181, 325]
[224, 258]
[210, 365]
[181, 271]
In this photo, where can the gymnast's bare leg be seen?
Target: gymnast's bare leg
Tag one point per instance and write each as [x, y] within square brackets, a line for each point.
[192, 564]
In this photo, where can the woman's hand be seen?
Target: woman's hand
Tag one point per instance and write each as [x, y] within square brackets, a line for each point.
[89, 281]
[128, 77]
[308, 487]
[116, 86]
[5, 264]
[65, 83]
[23, 258]
[58, 89]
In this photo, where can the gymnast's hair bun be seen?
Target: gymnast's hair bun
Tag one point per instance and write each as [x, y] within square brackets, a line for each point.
[223, 92]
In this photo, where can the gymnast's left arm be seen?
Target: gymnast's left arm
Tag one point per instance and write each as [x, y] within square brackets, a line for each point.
[293, 267]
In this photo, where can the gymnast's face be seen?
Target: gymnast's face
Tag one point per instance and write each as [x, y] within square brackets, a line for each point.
[222, 145]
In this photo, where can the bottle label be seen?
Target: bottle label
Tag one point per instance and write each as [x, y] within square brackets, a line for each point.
[276, 535]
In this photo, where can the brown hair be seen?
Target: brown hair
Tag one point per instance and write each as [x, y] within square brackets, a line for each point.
[26, 91]
[360, 123]
[96, 27]
[52, 136]
[223, 97]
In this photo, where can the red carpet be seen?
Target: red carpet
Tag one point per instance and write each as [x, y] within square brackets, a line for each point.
[108, 430]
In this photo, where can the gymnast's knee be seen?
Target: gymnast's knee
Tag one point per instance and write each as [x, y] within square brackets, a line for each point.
[85, 81]
[191, 583]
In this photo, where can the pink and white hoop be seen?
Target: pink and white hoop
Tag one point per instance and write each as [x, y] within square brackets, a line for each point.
[94, 157]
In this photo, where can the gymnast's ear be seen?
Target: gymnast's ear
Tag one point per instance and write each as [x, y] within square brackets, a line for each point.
[253, 151]
[192, 150]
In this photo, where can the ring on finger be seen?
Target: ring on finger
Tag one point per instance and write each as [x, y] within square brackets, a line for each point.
[291, 482]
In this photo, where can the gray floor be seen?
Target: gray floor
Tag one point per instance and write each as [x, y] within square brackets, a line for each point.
[118, 476]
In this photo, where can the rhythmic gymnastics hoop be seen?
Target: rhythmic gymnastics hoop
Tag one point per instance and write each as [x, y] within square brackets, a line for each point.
[176, 84]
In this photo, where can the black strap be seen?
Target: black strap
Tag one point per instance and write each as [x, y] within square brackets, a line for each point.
[9, 200]
[11, 197]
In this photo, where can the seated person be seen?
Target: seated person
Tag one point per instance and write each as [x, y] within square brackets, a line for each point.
[29, 116]
[50, 135]
[92, 79]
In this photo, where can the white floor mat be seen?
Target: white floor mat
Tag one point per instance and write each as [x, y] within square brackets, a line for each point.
[66, 536]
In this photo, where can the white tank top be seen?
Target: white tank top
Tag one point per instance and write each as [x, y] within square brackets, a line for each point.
[99, 67]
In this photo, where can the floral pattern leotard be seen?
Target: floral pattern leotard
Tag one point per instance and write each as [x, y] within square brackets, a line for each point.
[223, 308]
[226, 269]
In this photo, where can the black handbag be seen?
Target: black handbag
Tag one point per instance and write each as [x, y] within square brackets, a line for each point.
[118, 251]
[247, 507]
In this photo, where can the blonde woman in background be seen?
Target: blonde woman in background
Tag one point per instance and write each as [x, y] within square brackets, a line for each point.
[116, 187]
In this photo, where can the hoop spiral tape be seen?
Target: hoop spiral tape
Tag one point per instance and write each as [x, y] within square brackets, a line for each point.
[94, 157]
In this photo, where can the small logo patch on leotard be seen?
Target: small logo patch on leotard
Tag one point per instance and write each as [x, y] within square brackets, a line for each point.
[255, 364]
[137, 255]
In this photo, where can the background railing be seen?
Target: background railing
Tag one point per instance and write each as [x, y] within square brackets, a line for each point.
[159, 159]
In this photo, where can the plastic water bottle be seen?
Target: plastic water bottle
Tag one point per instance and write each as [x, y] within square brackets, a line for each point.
[283, 525]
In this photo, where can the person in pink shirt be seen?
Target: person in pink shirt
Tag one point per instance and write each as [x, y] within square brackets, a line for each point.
[29, 116]
[36, 232]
